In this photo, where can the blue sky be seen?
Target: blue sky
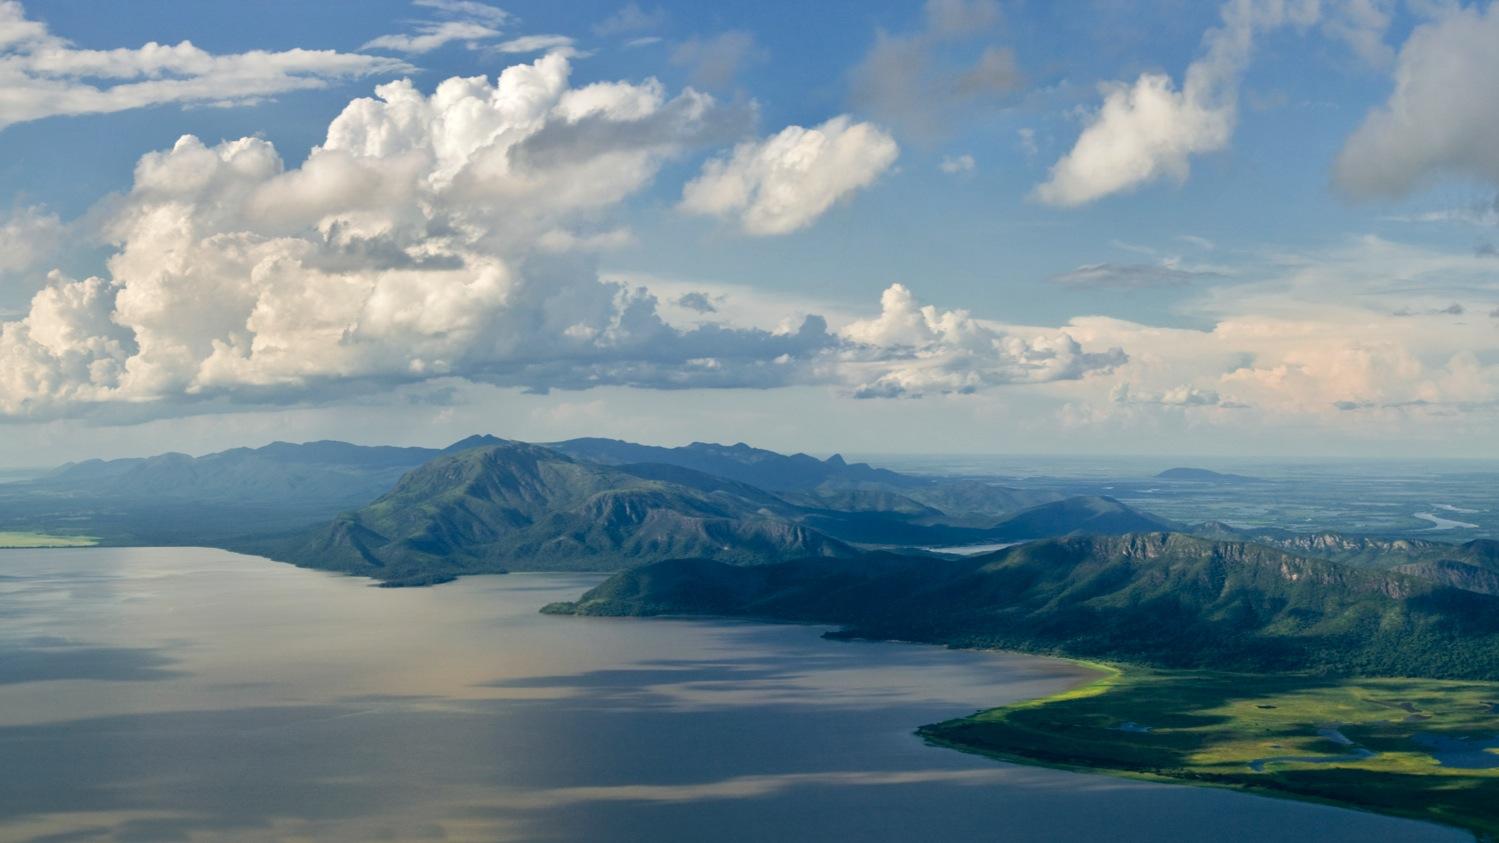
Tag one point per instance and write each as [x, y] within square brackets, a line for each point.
[1265, 226]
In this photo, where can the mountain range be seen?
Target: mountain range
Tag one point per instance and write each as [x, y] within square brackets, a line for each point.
[487, 504]
[513, 505]
[1166, 599]
[484, 504]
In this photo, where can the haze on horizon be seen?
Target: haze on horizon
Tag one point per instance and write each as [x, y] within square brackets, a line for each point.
[1266, 227]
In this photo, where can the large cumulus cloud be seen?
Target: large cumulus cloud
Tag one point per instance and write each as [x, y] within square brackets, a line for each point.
[1442, 119]
[439, 236]
[911, 350]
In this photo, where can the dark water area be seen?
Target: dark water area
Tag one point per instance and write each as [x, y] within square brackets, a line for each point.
[187, 694]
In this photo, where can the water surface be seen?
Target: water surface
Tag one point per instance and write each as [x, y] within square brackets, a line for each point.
[185, 694]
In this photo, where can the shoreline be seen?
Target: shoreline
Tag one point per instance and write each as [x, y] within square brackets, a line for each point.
[1113, 677]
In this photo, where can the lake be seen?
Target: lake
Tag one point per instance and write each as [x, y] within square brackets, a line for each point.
[189, 694]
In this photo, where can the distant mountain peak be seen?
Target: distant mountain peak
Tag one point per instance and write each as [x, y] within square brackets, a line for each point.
[478, 440]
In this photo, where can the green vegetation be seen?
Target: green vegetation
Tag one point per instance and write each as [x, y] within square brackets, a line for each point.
[514, 505]
[1164, 599]
[22, 539]
[1293, 723]
[1409, 747]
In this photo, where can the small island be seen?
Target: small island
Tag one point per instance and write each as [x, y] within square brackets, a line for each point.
[1203, 475]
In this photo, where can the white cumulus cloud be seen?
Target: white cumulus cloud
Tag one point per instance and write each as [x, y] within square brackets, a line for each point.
[451, 235]
[1150, 129]
[784, 182]
[912, 350]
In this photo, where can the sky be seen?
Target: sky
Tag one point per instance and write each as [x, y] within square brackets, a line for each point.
[1266, 227]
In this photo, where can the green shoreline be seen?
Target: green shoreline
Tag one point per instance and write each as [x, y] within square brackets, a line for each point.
[1206, 746]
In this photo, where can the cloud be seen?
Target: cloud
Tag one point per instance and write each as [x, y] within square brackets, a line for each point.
[715, 62]
[922, 81]
[957, 164]
[467, 9]
[29, 237]
[630, 18]
[1150, 130]
[534, 44]
[1184, 395]
[1309, 330]
[1131, 276]
[43, 75]
[430, 36]
[448, 237]
[784, 182]
[1026, 138]
[405, 247]
[1361, 25]
[696, 301]
[1484, 213]
[1454, 309]
[463, 20]
[1443, 117]
[912, 350]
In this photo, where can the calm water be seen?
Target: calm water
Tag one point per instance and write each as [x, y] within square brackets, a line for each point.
[187, 694]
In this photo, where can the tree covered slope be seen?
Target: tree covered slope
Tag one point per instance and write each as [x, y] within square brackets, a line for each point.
[1167, 599]
[518, 505]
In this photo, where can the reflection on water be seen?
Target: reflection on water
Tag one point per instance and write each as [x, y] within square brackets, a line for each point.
[186, 694]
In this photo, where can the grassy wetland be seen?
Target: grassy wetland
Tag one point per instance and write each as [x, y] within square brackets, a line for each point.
[1419, 748]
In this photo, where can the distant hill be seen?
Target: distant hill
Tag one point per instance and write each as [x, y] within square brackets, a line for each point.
[223, 499]
[1160, 598]
[1203, 475]
[832, 483]
[335, 473]
[758, 467]
[1090, 515]
[491, 508]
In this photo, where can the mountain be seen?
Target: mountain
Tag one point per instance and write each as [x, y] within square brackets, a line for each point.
[758, 467]
[1202, 475]
[265, 499]
[1091, 515]
[487, 509]
[832, 483]
[226, 499]
[1166, 599]
[335, 474]
[1471, 565]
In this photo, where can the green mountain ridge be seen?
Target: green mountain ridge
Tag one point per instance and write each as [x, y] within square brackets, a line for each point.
[1165, 599]
[491, 508]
